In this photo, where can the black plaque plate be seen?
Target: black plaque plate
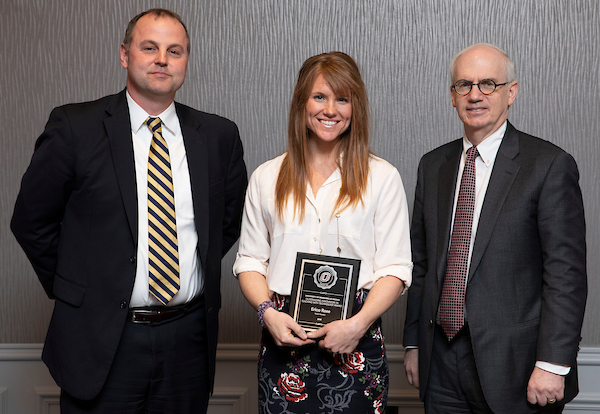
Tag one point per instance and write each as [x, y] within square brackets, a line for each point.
[324, 289]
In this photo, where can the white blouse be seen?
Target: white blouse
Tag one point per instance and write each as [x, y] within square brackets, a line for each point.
[376, 232]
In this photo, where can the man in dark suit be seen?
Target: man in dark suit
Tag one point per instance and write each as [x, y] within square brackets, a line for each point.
[499, 285]
[125, 212]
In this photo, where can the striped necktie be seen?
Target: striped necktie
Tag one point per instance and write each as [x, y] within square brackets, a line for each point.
[163, 265]
[452, 302]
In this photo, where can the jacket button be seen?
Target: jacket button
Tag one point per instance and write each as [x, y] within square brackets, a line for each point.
[430, 322]
[132, 259]
[123, 304]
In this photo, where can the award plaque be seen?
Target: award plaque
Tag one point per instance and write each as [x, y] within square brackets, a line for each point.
[323, 290]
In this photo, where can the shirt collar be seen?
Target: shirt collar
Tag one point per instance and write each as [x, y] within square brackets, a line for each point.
[337, 174]
[138, 117]
[488, 148]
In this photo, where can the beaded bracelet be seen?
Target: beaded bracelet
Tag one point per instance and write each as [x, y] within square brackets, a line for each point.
[261, 310]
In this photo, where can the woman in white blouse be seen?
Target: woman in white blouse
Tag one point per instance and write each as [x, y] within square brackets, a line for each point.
[329, 195]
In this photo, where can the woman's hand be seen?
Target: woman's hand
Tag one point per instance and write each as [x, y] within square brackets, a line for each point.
[343, 336]
[282, 328]
[339, 336]
[281, 325]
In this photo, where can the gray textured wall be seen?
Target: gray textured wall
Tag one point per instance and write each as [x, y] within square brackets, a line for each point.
[245, 56]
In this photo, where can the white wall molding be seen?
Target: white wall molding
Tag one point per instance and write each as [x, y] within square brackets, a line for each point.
[20, 352]
[231, 400]
[3, 400]
[588, 399]
[49, 399]
[589, 357]
[235, 382]
[585, 402]
[237, 352]
[402, 399]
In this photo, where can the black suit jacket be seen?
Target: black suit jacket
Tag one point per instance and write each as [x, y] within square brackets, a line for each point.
[527, 283]
[76, 219]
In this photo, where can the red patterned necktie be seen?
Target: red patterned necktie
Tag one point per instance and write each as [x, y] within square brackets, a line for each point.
[452, 302]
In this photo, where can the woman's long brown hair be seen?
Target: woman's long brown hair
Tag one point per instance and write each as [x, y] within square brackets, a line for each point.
[342, 75]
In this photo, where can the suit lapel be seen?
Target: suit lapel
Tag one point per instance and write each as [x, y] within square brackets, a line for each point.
[447, 177]
[503, 175]
[118, 130]
[197, 159]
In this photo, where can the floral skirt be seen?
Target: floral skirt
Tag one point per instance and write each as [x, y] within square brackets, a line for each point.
[310, 380]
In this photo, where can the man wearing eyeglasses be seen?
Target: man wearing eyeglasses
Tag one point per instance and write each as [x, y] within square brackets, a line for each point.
[499, 287]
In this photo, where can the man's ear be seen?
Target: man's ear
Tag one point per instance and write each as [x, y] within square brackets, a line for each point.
[452, 97]
[513, 89]
[124, 55]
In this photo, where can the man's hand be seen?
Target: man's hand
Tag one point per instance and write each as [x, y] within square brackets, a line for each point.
[545, 387]
[411, 366]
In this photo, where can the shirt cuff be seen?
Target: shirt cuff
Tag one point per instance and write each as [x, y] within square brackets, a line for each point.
[402, 272]
[248, 264]
[553, 368]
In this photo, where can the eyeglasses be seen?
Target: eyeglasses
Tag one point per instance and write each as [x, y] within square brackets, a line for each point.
[486, 86]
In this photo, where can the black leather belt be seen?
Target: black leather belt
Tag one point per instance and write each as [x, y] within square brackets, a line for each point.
[159, 314]
[148, 315]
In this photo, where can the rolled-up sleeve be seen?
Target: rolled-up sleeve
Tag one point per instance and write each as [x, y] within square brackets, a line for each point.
[392, 230]
[254, 247]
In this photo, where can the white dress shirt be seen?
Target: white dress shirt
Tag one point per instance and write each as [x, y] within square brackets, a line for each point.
[488, 149]
[376, 232]
[187, 239]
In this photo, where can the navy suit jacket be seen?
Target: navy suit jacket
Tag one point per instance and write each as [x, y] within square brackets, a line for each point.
[76, 219]
[527, 283]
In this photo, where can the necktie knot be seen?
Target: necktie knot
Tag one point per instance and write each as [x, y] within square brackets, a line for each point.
[154, 124]
[472, 154]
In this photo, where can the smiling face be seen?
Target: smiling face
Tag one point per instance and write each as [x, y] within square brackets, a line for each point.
[156, 62]
[327, 115]
[482, 114]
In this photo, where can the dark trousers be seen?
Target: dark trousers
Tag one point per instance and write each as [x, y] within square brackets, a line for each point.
[159, 368]
[454, 386]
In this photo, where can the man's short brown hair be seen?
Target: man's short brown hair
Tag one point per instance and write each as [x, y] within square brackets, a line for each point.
[156, 13]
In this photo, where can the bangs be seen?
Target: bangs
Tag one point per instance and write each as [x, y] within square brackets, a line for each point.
[338, 81]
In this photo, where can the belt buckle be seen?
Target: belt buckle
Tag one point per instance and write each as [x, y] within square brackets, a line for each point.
[140, 312]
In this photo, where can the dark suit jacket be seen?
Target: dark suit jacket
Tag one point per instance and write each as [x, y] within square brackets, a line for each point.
[527, 282]
[76, 219]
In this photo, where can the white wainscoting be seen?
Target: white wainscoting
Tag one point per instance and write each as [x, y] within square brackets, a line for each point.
[3, 400]
[588, 399]
[27, 388]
